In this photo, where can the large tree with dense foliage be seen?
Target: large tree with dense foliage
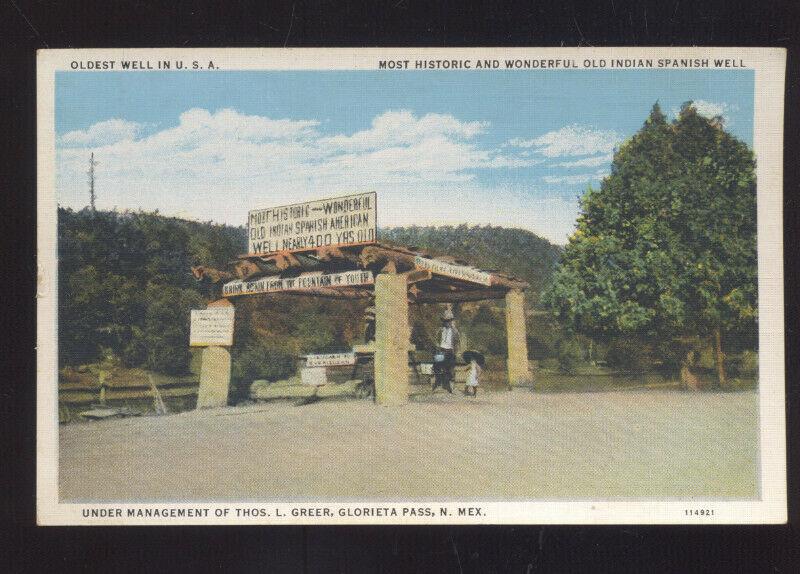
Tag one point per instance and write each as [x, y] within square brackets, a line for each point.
[666, 248]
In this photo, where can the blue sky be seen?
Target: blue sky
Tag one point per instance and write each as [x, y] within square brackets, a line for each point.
[512, 148]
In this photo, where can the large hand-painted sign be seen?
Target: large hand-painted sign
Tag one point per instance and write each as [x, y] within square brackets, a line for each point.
[306, 281]
[212, 326]
[346, 220]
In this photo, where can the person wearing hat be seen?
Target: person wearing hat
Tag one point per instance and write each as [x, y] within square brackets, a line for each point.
[446, 350]
[369, 324]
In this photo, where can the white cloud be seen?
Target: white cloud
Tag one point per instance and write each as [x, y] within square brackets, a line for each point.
[102, 133]
[230, 125]
[403, 128]
[217, 165]
[571, 140]
[709, 109]
[596, 161]
[576, 179]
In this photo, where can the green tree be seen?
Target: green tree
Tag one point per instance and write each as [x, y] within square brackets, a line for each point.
[666, 248]
[166, 327]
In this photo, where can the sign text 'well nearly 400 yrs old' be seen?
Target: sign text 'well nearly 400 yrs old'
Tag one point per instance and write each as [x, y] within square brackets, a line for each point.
[343, 220]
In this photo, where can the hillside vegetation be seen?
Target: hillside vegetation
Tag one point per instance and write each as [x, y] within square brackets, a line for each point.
[514, 251]
[125, 292]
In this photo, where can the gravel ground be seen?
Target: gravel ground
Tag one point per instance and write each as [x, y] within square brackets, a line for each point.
[499, 446]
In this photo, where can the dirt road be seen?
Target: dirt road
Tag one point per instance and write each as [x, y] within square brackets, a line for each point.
[504, 445]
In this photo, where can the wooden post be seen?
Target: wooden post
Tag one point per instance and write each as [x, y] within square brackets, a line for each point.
[517, 362]
[391, 339]
[215, 372]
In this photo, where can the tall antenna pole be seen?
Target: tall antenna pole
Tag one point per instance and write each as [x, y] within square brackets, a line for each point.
[92, 163]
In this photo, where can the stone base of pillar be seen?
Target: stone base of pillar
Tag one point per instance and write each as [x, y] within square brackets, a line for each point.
[517, 363]
[215, 378]
[391, 339]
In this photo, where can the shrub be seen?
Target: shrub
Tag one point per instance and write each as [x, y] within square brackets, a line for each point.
[629, 355]
[746, 364]
[539, 348]
[672, 354]
[166, 328]
[135, 351]
[569, 354]
[261, 360]
[549, 364]
[706, 359]
[544, 333]
[488, 338]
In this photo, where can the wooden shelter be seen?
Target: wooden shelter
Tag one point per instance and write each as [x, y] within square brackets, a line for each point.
[392, 275]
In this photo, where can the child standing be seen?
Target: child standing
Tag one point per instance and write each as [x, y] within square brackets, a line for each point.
[474, 377]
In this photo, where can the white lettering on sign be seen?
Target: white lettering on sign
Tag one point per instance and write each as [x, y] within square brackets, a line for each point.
[314, 376]
[343, 220]
[330, 359]
[300, 283]
[456, 271]
[212, 326]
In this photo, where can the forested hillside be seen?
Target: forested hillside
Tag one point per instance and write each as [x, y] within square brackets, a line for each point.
[125, 291]
[514, 251]
[125, 284]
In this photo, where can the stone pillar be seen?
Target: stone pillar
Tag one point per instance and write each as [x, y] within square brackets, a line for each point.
[517, 362]
[391, 339]
[215, 378]
[215, 371]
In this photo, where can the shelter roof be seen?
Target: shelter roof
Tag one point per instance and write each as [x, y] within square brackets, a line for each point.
[431, 278]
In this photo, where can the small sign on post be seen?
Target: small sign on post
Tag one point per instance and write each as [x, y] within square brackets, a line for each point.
[211, 327]
[330, 360]
[346, 220]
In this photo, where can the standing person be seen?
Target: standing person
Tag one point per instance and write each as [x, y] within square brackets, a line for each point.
[369, 324]
[476, 362]
[448, 344]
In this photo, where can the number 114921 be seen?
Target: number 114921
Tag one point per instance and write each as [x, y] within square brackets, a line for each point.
[699, 512]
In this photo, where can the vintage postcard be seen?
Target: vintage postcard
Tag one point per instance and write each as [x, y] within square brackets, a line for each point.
[410, 286]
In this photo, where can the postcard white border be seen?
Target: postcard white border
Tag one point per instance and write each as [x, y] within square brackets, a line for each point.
[769, 66]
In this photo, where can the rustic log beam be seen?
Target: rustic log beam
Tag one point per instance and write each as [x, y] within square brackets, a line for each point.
[330, 253]
[210, 274]
[326, 293]
[285, 260]
[246, 269]
[377, 256]
[508, 283]
[317, 292]
[458, 296]
[417, 276]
